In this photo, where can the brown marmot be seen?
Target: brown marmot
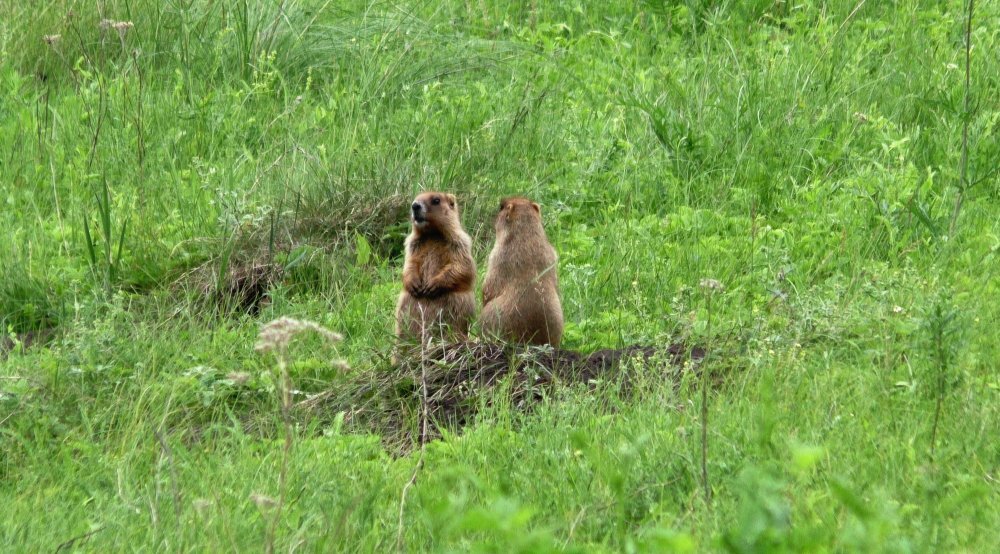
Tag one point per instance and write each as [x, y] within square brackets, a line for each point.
[438, 299]
[521, 290]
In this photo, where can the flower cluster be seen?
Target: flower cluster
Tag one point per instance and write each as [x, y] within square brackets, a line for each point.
[121, 26]
[278, 333]
[712, 285]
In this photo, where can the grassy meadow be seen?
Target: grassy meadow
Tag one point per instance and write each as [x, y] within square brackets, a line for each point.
[174, 175]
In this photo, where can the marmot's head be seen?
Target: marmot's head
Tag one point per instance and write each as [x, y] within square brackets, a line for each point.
[518, 213]
[434, 210]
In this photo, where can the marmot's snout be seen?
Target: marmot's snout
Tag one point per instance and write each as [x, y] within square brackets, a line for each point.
[419, 215]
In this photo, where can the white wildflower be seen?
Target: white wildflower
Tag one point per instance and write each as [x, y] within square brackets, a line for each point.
[278, 333]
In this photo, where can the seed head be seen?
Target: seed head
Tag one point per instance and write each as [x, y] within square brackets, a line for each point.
[712, 285]
[122, 27]
[238, 377]
[263, 502]
[201, 505]
[277, 334]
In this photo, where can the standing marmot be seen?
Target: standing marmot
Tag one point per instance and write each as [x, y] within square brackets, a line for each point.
[521, 290]
[438, 274]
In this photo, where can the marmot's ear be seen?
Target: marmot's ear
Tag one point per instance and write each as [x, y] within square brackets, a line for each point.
[538, 209]
[451, 199]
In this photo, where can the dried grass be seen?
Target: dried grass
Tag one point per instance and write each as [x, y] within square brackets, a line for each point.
[459, 378]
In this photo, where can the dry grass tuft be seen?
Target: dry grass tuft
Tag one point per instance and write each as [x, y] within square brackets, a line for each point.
[459, 376]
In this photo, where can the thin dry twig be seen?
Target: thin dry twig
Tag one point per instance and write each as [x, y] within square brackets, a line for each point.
[286, 422]
[423, 438]
[169, 455]
[69, 544]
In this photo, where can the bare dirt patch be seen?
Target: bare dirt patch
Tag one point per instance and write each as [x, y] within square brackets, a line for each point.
[25, 340]
[461, 377]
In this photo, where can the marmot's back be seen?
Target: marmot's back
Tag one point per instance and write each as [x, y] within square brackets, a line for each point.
[521, 290]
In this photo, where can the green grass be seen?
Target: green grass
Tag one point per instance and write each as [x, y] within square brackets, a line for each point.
[807, 157]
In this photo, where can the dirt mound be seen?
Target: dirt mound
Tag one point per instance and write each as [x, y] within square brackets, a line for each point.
[25, 340]
[244, 286]
[456, 376]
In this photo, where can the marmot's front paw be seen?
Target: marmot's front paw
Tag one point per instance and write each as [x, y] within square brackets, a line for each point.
[425, 291]
[431, 292]
[415, 289]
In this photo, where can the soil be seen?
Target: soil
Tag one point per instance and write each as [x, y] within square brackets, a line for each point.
[391, 403]
[26, 340]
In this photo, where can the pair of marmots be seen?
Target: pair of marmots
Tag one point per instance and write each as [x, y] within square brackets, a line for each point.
[520, 293]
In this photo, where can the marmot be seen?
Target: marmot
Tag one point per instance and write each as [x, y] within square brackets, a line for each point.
[521, 290]
[438, 274]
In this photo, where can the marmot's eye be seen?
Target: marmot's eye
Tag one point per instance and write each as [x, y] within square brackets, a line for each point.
[436, 200]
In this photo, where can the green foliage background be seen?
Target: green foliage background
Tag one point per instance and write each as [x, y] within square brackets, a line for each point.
[808, 156]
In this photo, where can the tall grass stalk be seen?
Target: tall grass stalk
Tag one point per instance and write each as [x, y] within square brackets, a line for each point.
[105, 250]
[941, 322]
[710, 287]
[275, 337]
[966, 119]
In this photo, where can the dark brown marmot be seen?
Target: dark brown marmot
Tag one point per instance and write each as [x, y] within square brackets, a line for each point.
[521, 290]
[438, 275]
